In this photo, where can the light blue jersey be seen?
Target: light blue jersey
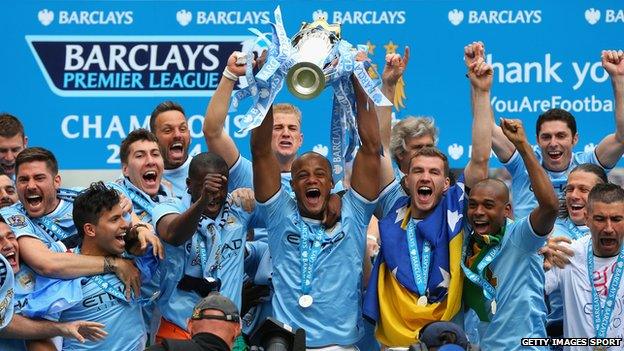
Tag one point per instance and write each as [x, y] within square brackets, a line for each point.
[388, 197]
[177, 177]
[98, 298]
[258, 269]
[143, 206]
[563, 227]
[523, 198]
[53, 227]
[335, 314]
[6, 292]
[521, 311]
[24, 284]
[230, 229]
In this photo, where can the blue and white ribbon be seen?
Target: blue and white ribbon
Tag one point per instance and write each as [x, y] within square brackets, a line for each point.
[308, 254]
[420, 270]
[270, 80]
[602, 314]
[479, 278]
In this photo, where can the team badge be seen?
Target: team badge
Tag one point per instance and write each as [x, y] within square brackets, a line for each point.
[16, 221]
[26, 280]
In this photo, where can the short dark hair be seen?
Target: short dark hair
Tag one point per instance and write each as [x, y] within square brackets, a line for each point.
[10, 126]
[429, 151]
[163, 107]
[607, 193]
[556, 114]
[134, 136]
[32, 154]
[91, 202]
[207, 160]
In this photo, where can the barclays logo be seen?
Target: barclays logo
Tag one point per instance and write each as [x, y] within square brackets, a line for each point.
[361, 17]
[456, 17]
[593, 16]
[184, 17]
[46, 17]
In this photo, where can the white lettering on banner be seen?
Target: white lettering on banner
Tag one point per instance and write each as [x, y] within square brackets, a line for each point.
[369, 17]
[120, 59]
[95, 17]
[81, 126]
[614, 16]
[515, 72]
[232, 17]
[546, 71]
[593, 73]
[505, 17]
[526, 104]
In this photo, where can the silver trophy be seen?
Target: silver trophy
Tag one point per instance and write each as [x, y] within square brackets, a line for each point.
[315, 58]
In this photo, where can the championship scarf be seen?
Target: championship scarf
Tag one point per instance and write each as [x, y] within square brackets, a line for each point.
[473, 293]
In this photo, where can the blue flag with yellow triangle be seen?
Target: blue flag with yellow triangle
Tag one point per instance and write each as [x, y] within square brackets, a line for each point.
[392, 295]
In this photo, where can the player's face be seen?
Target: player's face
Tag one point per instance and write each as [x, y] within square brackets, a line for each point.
[287, 137]
[145, 166]
[8, 194]
[9, 148]
[217, 198]
[580, 183]
[426, 183]
[110, 231]
[312, 183]
[9, 247]
[173, 136]
[606, 224]
[487, 209]
[36, 188]
[556, 141]
[413, 144]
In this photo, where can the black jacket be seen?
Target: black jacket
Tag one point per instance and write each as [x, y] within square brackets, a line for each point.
[199, 342]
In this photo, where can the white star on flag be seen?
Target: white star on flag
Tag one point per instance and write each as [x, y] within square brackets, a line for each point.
[400, 214]
[446, 278]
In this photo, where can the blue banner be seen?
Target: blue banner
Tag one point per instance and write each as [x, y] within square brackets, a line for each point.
[82, 74]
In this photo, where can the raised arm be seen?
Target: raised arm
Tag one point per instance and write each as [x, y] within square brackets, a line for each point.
[480, 75]
[542, 218]
[365, 176]
[502, 147]
[266, 169]
[393, 71]
[611, 147]
[65, 265]
[176, 229]
[217, 139]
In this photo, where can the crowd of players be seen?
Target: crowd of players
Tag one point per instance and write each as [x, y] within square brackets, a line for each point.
[366, 263]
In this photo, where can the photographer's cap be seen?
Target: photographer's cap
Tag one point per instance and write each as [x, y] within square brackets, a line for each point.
[216, 301]
[440, 333]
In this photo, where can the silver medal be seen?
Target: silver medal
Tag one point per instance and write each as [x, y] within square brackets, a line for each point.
[305, 301]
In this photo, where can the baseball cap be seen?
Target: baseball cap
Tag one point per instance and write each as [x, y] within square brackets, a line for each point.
[436, 334]
[216, 301]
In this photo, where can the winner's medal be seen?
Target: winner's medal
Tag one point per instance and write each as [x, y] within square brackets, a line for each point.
[493, 306]
[422, 301]
[305, 301]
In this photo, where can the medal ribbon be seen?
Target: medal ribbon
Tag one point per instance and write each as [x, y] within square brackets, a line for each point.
[308, 254]
[575, 231]
[420, 270]
[479, 278]
[602, 314]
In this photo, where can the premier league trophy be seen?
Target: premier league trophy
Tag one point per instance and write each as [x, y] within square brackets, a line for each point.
[316, 57]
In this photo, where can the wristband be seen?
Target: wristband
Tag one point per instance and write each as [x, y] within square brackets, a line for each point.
[139, 225]
[229, 75]
[371, 237]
